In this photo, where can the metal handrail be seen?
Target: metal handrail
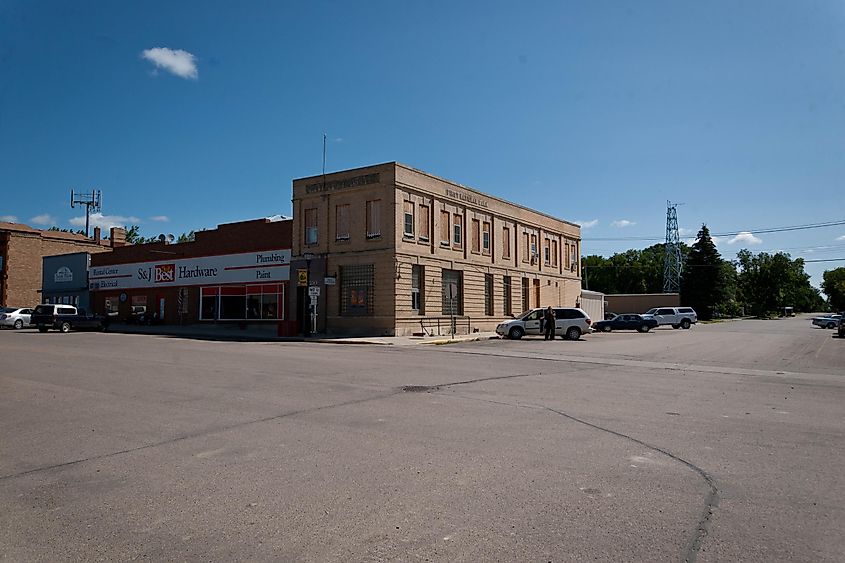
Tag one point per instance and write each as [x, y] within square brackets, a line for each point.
[446, 325]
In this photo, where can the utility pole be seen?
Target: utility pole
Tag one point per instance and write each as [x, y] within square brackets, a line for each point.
[672, 264]
[91, 202]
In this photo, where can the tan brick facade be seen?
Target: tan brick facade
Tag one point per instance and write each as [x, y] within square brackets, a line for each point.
[495, 240]
[21, 251]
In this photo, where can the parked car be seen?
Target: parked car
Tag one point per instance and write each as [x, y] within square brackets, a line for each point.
[826, 321]
[570, 323]
[65, 318]
[841, 329]
[14, 317]
[626, 322]
[677, 317]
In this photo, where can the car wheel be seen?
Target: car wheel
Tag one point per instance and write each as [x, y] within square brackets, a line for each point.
[18, 324]
[644, 328]
[42, 328]
[65, 327]
[573, 333]
[685, 324]
[606, 328]
[516, 333]
[829, 325]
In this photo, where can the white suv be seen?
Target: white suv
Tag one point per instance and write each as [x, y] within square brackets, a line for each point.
[678, 317]
[570, 323]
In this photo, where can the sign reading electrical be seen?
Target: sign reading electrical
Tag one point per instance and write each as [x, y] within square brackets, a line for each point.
[271, 265]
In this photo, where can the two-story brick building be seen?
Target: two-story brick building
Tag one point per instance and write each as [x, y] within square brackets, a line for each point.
[396, 251]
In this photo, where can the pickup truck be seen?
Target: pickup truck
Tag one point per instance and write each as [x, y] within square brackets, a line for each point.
[64, 318]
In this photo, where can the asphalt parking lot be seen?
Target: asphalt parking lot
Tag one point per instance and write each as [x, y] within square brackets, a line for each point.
[721, 443]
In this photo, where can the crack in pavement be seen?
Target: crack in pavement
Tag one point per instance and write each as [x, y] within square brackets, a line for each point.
[198, 434]
[711, 501]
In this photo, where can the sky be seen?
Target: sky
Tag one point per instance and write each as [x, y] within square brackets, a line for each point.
[190, 114]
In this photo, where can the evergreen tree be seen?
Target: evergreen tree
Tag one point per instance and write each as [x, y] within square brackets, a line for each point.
[702, 282]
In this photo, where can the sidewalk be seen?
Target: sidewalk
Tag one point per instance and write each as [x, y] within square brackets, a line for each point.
[234, 334]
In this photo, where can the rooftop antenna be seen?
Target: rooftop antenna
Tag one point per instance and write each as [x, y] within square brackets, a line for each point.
[92, 202]
[672, 263]
[324, 161]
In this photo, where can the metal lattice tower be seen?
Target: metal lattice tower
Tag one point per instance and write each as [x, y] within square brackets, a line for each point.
[672, 262]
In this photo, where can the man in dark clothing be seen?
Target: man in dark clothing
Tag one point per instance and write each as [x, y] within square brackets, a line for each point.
[549, 323]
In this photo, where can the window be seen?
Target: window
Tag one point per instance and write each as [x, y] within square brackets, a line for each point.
[485, 237]
[374, 218]
[241, 302]
[311, 226]
[526, 295]
[507, 291]
[356, 296]
[554, 253]
[476, 235]
[458, 232]
[452, 292]
[568, 258]
[445, 231]
[409, 218]
[342, 222]
[424, 222]
[534, 251]
[488, 295]
[506, 242]
[417, 280]
[526, 248]
[111, 305]
[547, 252]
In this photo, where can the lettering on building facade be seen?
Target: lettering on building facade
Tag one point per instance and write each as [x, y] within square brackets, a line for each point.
[342, 184]
[468, 198]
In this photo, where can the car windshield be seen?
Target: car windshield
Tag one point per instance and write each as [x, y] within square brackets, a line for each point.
[44, 310]
[7, 309]
[651, 312]
[524, 314]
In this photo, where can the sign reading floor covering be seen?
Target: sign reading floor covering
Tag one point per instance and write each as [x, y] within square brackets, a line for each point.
[256, 267]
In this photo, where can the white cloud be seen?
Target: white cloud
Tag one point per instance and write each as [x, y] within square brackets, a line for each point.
[684, 232]
[44, 220]
[160, 218]
[841, 238]
[621, 223]
[8, 218]
[105, 221]
[587, 224]
[745, 237]
[175, 61]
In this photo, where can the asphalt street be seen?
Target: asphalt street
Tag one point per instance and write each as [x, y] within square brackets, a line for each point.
[725, 442]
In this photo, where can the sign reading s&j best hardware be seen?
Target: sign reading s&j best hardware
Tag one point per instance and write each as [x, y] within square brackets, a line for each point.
[249, 267]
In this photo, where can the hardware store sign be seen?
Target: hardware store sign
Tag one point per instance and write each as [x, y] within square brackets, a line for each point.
[256, 267]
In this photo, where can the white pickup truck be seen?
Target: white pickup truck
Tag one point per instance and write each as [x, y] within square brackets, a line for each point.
[677, 317]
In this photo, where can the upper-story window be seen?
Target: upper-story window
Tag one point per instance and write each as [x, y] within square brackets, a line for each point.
[425, 218]
[547, 252]
[485, 237]
[311, 226]
[534, 251]
[458, 236]
[445, 231]
[476, 235]
[374, 218]
[506, 242]
[409, 218]
[526, 248]
[342, 222]
[554, 253]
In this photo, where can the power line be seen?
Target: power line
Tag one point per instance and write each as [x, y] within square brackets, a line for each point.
[731, 234]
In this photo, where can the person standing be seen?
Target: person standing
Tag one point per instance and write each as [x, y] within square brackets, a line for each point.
[549, 323]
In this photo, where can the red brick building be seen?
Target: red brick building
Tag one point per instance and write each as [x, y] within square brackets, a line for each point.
[238, 273]
[22, 249]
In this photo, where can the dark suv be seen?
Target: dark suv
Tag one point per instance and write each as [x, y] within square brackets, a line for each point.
[841, 329]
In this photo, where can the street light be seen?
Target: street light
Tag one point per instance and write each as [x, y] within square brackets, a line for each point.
[312, 301]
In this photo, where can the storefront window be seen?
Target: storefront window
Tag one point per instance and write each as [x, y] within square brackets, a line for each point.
[357, 290]
[242, 302]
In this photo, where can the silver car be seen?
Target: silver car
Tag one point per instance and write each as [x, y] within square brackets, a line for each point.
[14, 317]
[826, 321]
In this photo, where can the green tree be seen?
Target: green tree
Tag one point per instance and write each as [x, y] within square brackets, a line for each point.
[702, 282]
[632, 271]
[833, 285]
[768, 282]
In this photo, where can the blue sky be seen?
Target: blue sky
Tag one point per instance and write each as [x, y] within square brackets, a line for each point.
[595, 111]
